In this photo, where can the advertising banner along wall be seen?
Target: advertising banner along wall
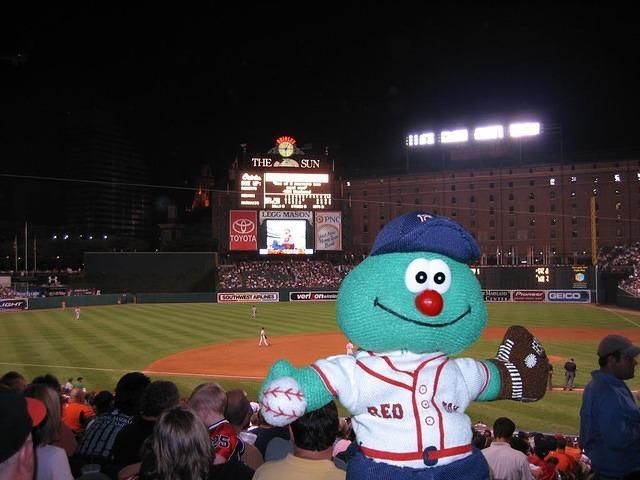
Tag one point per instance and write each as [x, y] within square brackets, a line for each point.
[249, 297]
[11, 304]
[243, 230]
[328, 231]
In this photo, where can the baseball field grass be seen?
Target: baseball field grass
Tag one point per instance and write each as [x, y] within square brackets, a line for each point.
[109, 341]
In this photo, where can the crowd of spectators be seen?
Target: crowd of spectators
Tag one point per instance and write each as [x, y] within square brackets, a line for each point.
[145, 430]
[254, 275]
[6, 292]
[623, 259]
[620, 257]
[543, 456]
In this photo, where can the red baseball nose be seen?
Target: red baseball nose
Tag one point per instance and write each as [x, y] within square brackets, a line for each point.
[429, 303]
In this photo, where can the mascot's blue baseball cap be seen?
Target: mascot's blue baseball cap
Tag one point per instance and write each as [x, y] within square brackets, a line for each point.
[423, 232]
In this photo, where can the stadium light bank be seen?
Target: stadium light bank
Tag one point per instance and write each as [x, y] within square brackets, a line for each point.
[479, 134]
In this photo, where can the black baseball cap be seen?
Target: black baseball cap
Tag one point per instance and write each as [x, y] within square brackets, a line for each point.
[617, 343]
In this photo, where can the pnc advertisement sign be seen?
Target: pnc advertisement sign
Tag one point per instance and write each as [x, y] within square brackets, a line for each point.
[243, 230]
[328, 230]
[569, 296]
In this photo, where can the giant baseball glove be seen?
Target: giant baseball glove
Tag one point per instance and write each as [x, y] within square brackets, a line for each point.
[523, 366]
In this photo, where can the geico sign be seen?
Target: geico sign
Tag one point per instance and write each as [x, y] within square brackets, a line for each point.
[565, 296]
[568, 296]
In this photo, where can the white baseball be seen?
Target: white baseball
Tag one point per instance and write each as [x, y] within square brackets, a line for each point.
[282, 402]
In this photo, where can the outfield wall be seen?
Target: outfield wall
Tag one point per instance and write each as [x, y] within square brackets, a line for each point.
[151, 272]
[277, 296]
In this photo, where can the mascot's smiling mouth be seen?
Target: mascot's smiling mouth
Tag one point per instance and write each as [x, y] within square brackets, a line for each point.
[376, 303]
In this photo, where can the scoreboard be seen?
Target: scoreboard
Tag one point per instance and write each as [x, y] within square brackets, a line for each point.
[285, 189]
[285, 203]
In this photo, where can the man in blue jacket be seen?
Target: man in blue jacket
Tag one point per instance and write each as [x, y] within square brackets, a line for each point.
[609, 417]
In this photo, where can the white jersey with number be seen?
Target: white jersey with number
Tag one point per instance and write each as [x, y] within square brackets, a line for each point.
[403, 403]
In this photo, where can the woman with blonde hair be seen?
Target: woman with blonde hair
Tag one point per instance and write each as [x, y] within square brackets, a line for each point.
[51, 461]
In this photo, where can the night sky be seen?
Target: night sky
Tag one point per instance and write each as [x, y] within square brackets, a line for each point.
[190, 83]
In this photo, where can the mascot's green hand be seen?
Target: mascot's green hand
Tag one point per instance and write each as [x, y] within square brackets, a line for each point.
[289, 392]
[520, 369]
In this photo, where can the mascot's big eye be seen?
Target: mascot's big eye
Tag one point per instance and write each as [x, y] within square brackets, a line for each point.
[439, 276]
[417, 275]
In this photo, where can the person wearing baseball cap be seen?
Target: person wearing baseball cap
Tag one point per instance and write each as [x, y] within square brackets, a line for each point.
[18, 416]
[609, 416]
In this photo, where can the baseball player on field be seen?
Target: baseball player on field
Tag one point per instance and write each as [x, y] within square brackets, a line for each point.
[263, 338]
[409, 306]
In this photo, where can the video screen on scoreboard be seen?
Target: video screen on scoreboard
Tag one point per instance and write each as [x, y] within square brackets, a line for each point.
[285, 237]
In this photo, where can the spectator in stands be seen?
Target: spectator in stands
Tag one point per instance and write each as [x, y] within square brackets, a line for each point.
[266, 432]
[66, 438]
[159, 396]
[573, 449]
[51, 461]
[238, 413]
[179, 449]
[505, 462]
[50, 380]
[609, 416]
[18, 416]
[98, 440]
[79, 383]
[77, 413]
[345, 436]
[68, 386]
[566, 464]
[209, 401]
[102, 402]
[313, 436]
[14, 380]
[478, 439]
[537, 458]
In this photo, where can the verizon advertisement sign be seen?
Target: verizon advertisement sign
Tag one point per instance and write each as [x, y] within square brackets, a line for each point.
[313, 296]
[529, 296]
[243, 230]
[9, 304]
[249, 297]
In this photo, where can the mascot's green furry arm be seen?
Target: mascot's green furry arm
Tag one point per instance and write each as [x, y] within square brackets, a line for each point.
[409, 306]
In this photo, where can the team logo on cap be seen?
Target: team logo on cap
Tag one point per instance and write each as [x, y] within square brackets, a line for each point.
[423, 217]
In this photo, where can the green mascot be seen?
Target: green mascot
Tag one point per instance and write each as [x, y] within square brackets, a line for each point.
[409, 306]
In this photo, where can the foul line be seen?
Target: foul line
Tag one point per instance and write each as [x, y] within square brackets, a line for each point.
[623, 317]
[150, 372]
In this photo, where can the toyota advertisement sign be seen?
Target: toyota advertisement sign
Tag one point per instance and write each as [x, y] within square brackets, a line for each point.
[243, 230]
